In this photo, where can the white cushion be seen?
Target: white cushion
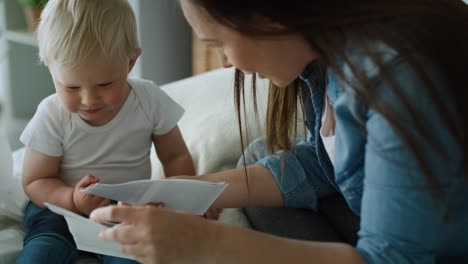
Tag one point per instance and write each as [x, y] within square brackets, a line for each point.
[209, 125]
[12, 197]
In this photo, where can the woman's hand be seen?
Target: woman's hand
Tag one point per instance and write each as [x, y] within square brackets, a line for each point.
[86, 202]
[159, 235]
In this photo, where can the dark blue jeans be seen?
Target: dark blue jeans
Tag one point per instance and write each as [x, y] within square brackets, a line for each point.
[333, 221]
[48, 239]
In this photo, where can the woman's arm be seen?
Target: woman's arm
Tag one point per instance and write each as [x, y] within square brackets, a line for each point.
[240, 245]
[173, 153]
[262, 187]
[258, 188]
[158, 235]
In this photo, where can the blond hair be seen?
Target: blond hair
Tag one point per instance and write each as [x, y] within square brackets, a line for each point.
[79, 31]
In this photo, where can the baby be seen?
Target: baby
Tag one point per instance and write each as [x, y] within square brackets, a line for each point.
[99, 123]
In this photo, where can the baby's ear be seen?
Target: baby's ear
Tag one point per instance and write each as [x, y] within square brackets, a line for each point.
[132, 61]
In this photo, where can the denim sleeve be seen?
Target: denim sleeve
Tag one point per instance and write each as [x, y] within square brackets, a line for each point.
[404, 217]
[402, 220]
[303, 181]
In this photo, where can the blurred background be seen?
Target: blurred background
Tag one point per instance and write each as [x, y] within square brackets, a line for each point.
[170, 52]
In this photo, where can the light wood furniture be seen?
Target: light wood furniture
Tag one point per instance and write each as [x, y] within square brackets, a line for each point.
[204, 58]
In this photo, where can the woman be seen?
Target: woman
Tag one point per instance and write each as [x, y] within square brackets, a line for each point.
[389, 70]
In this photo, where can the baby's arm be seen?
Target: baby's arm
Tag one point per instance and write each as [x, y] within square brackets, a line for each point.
[173, 153]
[41, 181]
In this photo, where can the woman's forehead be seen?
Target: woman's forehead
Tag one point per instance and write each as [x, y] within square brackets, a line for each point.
[201, 22]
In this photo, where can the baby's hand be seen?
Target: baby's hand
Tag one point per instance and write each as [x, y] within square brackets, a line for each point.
[86, 202]
[212, 213]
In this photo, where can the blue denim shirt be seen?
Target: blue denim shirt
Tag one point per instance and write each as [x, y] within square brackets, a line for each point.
[376, 173]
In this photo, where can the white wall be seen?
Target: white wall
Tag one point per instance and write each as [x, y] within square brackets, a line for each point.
[2, 60]
[2, 69]
[166, 40]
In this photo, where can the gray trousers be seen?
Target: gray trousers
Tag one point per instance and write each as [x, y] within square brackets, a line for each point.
[332, 222]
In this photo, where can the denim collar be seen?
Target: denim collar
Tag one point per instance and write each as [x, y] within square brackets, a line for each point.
[311, 71]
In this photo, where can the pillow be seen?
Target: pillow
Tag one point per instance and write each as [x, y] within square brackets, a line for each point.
[12, 197]
[209, 125]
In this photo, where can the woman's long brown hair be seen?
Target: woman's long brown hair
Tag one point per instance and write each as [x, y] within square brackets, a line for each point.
[434, 29]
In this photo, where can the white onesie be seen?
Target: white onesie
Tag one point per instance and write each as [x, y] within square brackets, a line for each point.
[116, 152]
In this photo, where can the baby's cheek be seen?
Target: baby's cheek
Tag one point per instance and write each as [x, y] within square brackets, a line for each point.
[116, 99]
[72, 104]
[118, 95]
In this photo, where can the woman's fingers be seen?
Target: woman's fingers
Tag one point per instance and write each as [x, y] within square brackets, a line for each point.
[141, 251]
[114, 213]
[125, 234]
[149, 233]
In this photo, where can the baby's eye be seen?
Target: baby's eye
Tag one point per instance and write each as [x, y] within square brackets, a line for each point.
[104, 84]
[73, 87]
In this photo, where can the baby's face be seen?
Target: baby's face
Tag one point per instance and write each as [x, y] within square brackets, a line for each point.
[95, 91]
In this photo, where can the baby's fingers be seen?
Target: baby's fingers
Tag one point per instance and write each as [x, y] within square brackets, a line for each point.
[211, 213]
[87, 181]
[103, 202]
[156, 204]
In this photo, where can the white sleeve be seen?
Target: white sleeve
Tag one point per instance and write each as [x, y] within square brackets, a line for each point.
[44, 132]
[167, 112]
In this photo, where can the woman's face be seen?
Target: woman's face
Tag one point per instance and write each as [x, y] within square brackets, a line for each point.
[278, 58]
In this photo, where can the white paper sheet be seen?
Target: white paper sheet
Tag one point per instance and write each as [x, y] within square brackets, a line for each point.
[85, 233]
[187, 195]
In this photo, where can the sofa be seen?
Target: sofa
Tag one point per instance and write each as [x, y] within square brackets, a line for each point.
[210, 130]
